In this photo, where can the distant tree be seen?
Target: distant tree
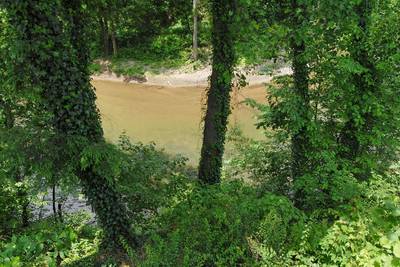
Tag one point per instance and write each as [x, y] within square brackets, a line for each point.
[195, 30]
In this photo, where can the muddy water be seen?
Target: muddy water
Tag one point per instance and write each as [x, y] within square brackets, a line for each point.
[169, 116]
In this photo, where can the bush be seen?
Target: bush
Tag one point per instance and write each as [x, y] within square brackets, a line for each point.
[216, 226]
[150, 180]
[363, 233]
[262, 163]
[49, 244]
[10, 215]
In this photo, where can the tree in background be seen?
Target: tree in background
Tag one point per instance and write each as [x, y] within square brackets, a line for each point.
[218, 102]
[195, 30]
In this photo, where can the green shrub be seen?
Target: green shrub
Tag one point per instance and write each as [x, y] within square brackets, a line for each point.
[10, 209]
[47, 243]
[363, 233]
[215, 227]
[263, 164]
[150, 180]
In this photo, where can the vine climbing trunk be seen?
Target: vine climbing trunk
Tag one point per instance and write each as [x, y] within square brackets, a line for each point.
[365, 86]
[300, 142]
[56, 59]
[100, 191]
[218, 101]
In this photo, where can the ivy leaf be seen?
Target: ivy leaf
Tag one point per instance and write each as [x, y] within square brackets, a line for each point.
[396, 249]
[396, 212]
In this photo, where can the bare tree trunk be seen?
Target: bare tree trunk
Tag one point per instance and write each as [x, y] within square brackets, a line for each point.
[105, 38]
[195, 30]
[113, 38]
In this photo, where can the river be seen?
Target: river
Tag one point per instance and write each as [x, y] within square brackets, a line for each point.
[169, 116]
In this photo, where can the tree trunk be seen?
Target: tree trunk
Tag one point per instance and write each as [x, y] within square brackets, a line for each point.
[365, 85]
[59, 211]
[66, 91]
[113, 38]
[53, 190]
[218, 102]
[300, 143]
[300, 139]
[105, 38]
[195, 30]
[23, 199]
[101, 193]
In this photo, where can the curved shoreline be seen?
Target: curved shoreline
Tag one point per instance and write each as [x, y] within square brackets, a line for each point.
[193, 79]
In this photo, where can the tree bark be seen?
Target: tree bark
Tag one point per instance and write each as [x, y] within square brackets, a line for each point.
[53, 190]
[113, 38]
[195, 30]
[218, 101]
[105, 37]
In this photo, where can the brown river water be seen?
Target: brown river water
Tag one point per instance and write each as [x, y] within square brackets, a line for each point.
[169, 116]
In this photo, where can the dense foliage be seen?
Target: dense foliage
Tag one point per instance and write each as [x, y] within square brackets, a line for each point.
[321, 189]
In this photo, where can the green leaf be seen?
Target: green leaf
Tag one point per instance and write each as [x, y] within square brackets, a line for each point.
[396, 249]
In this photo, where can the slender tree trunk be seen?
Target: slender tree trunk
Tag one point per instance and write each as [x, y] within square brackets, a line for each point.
[195, 30]
[23, 199]
[59, 211]
[218, 102]
[105, 37]
[113, 38]
[53, 190]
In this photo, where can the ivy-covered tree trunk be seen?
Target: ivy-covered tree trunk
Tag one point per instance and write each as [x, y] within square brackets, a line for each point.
[218, 102]
[57, 59]
[300, 143]
[300, 139]
[101, 192]
[355, 135]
